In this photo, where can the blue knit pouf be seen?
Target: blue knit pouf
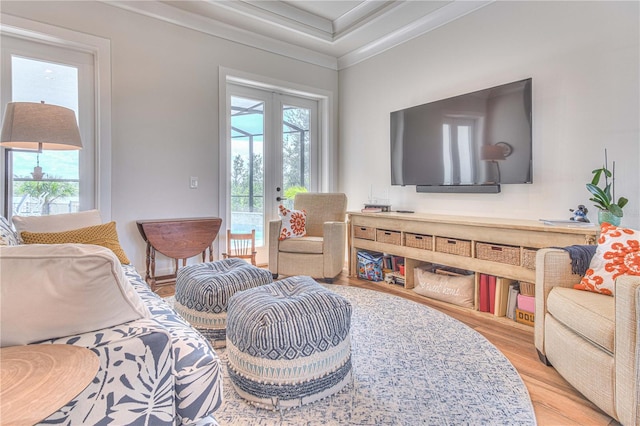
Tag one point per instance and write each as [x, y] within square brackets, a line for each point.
[288, 343]
[203, 291]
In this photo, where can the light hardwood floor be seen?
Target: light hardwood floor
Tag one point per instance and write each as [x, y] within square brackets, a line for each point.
[555, 402]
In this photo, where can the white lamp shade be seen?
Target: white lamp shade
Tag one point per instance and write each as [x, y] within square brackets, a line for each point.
[35, 126]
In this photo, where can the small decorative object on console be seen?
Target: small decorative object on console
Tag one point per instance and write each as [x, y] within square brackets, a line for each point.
[579, 214]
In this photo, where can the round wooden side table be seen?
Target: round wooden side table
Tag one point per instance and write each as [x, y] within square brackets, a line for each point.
[36, 380]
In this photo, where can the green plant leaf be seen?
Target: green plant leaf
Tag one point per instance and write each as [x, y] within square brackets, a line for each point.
[596, 176]
[599, 196]
[622, 202]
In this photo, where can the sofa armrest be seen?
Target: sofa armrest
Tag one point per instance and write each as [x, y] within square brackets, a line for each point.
[553, 269]
[334, 243]
[274, 233]
[134, 383]
[627, 302]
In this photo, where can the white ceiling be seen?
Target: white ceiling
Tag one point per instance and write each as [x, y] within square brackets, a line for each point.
[331, 33]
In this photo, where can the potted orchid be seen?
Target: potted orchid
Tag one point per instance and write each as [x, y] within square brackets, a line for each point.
[604, 198]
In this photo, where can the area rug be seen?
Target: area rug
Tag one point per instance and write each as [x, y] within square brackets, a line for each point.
[411, 365]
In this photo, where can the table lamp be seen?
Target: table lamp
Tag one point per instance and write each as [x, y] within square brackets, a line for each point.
[31, 126]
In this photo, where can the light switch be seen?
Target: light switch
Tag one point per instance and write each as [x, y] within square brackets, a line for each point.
[193, 182]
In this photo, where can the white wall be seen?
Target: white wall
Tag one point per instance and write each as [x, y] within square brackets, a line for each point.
[165, 108]
[584, 61]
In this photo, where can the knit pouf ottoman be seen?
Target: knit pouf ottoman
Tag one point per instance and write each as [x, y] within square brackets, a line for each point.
[288, 343]
[203, 291]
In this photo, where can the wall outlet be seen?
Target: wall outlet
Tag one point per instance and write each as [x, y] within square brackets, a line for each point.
[193, 182]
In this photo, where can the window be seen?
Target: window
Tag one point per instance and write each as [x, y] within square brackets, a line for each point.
[41, 62]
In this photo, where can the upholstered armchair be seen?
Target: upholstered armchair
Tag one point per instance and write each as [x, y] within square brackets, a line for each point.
[590, 339]
[319, 254]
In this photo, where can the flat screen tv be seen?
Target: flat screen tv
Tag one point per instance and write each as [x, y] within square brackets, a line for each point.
[467, 143]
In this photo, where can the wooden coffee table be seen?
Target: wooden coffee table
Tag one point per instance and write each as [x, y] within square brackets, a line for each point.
[39, 379]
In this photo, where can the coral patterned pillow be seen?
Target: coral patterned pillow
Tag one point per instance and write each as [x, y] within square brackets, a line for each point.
[293, 223]
[618, 253]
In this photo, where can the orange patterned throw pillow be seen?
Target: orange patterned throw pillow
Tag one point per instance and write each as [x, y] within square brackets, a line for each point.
[618, 253]
[293, 223]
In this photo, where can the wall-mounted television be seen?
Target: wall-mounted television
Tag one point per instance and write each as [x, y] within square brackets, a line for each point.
[467, 143]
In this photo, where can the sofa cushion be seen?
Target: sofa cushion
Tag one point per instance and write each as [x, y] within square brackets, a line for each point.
[618, 253]
[293, 223]
[588, 314]
[302, 245]
[104, 235]
[56, 222]
[50, 291]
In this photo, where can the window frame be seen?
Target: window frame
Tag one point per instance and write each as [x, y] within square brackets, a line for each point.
[100, 49]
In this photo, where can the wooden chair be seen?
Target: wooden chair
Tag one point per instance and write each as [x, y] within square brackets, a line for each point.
[241, 245]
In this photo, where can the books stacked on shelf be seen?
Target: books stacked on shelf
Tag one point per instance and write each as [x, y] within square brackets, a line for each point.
[393, 267]
[526, 304]
[376, 208]
[494, 294]
[394, 278]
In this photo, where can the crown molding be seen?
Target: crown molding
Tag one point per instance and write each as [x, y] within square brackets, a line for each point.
[423, 25]
[157, 10]
[305, 24]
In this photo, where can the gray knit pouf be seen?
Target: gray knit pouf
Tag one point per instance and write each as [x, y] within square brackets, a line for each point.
[288, 343]
[203, 291]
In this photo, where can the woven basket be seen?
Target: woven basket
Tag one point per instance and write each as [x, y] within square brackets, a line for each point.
[424, 242]
[388, 237]
[527, 289]
[498, 253]
[529, 258]
[364, 232]
[453, 246]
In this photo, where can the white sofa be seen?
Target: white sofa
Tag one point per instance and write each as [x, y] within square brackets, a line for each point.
[154, 369]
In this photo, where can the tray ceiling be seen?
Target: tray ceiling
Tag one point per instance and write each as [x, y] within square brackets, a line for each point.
[331, 33]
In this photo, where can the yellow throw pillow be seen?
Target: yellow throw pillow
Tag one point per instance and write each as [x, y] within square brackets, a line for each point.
[104, 235]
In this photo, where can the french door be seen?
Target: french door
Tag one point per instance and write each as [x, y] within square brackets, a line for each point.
[272, 155]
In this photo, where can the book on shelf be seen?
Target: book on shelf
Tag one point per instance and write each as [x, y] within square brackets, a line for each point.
[526, 303]
[503, 286]
[492, 294]
[483, 297]
[396, 261]
[567, 223]
[377, 207]
[372, 210]
[512, 300]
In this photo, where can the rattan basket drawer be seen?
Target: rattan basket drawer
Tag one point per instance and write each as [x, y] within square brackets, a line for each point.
[453, 246]
[424, 242]
[364, 232]
[498, 253]
[529, 258]
[388, 237]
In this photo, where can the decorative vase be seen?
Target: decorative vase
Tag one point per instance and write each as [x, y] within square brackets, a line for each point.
[607, 216]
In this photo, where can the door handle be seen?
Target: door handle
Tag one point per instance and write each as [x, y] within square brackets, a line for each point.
[280, 198]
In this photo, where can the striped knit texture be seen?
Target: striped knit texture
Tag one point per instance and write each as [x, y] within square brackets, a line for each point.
[203, 291]
[288, 343]
[104, 235]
